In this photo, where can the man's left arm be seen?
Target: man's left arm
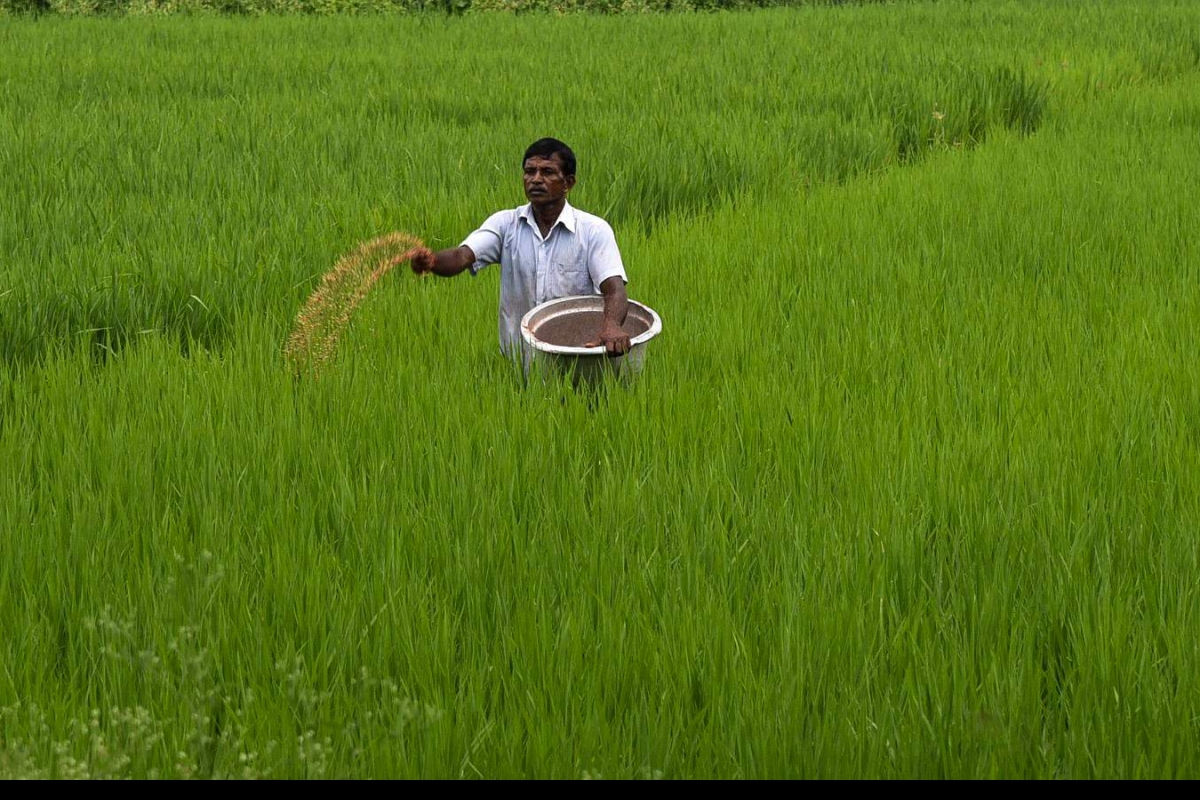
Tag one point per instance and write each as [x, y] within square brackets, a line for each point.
[608, 273]
[616, 306]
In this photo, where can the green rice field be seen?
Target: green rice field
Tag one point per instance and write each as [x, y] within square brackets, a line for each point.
[909, 487]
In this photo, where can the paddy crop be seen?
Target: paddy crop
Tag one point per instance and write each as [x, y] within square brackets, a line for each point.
[907, 487]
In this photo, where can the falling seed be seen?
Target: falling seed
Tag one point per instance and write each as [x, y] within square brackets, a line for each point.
[319, 325]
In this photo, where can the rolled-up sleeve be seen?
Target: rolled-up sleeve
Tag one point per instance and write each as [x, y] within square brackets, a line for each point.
[488, 241]
[604, 259]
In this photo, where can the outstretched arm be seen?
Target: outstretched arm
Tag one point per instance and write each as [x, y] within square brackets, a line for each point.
[616, 306]
[446, 263]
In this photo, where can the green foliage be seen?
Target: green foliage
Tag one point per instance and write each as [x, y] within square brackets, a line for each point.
[328, 7]
[906, 490]
[31, 7]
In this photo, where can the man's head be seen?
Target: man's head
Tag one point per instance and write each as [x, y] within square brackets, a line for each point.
[549, 171]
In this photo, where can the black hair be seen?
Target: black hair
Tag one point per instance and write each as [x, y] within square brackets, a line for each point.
[545, 148]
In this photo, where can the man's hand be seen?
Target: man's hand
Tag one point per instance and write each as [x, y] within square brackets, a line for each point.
[446, 263]
[613, 338]
[422, 260]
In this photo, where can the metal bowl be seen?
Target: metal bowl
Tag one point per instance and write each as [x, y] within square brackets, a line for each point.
[557, 333]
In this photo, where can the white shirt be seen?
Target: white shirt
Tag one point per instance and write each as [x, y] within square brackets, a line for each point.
[577, 255]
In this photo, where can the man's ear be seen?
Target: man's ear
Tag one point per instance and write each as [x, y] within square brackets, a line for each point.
[570, 182]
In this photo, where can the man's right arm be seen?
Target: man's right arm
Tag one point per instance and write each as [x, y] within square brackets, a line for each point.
[446, 263]
[484, 246]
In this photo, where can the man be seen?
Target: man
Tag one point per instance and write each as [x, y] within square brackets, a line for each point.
[546, 249]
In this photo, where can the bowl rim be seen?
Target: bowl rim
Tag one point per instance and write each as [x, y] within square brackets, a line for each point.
[565, 350]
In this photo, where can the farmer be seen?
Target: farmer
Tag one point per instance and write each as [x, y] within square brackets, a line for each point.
[546, 249]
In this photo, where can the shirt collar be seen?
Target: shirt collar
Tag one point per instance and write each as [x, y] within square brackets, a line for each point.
[567, 218]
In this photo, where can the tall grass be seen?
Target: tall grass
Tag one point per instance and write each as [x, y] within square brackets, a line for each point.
[906, 489]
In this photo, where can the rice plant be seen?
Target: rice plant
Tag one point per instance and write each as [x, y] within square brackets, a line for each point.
[907, 489]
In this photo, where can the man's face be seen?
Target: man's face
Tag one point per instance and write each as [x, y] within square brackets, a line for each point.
[544, 180]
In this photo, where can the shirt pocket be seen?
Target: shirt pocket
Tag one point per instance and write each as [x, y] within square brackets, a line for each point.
[570, 276]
